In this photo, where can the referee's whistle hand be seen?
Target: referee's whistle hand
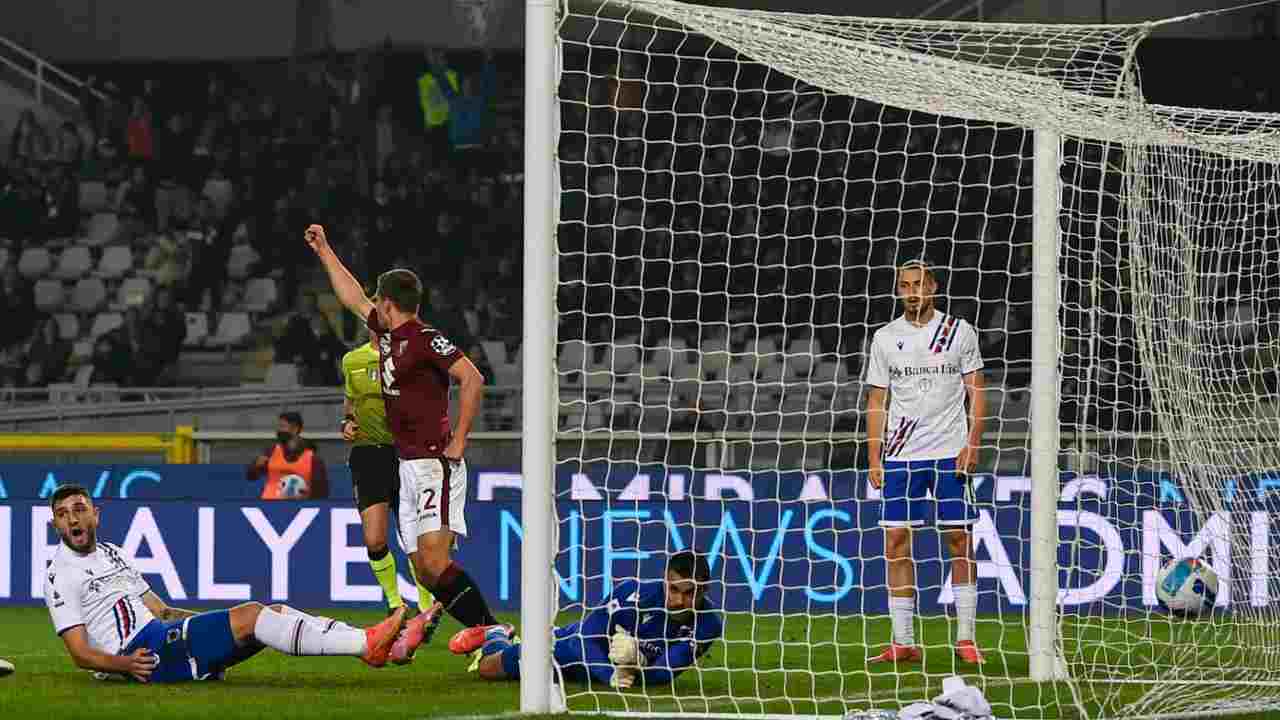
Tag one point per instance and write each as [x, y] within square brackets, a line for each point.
[349, 429]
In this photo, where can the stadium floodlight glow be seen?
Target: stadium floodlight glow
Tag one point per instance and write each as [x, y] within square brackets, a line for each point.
[717, 201]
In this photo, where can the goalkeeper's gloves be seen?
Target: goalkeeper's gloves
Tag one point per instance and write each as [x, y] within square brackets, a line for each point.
[624, 650]
[623, 678]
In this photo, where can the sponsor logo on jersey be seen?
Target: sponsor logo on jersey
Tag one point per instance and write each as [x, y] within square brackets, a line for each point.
[909, 371]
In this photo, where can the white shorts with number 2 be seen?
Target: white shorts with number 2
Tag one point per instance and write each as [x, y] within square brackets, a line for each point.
[433, 495]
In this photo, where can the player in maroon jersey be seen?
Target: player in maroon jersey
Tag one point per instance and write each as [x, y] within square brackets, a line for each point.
[417, 365]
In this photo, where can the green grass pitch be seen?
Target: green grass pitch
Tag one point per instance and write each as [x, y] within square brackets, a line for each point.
[768, 664]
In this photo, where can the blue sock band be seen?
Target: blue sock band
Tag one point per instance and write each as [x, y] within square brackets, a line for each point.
[495, 640]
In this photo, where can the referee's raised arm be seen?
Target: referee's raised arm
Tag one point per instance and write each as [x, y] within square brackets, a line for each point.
[345, 286]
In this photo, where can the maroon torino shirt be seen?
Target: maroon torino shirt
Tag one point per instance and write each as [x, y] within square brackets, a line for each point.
[415, 362]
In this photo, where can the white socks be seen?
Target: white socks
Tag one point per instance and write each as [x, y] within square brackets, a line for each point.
[325, 623]
[300, 634]
[966, 597]
[903, 610]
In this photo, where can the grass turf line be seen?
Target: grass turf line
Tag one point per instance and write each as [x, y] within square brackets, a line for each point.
[762, 667]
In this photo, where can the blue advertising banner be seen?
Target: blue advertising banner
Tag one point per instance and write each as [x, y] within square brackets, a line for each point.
[791, 542]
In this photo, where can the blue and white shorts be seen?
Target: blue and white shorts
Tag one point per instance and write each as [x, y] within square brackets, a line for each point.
[195, 648]
[908, 485]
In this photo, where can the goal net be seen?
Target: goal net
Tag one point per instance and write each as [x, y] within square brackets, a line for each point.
[737, 190]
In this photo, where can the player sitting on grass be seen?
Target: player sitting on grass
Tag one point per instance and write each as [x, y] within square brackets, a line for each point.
[647, 631]
[111, 621]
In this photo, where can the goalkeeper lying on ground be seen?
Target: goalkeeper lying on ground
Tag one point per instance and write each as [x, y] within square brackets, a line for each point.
[646, 633]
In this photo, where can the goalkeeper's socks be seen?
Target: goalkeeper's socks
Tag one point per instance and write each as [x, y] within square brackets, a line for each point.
[496, 639]
[384, 569]
[461, 598]
[294, 635]
[903, 610]
[966, 597]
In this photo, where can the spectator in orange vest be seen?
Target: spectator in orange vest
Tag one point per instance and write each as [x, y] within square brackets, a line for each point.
[294, 471]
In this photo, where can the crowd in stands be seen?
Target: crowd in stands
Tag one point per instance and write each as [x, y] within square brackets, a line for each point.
[177, 214]
[167, 214]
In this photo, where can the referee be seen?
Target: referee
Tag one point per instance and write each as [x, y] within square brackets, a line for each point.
[375, 468]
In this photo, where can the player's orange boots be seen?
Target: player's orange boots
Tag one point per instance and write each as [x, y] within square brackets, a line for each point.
[470, 639]
[968, 652]
[897, 653]
[416, 632]
[380, 637]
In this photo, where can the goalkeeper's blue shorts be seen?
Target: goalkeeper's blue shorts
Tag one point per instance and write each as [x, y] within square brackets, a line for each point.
[575, 655]
[906, 494]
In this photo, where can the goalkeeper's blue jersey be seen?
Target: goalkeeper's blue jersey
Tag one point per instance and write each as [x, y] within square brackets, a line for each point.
[671, 643]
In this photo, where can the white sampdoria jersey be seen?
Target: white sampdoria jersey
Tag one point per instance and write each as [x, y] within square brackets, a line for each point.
[101, 591]
[923, 366]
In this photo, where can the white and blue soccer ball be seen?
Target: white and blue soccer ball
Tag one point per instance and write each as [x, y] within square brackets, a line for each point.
[1187, 586]
[292, 486]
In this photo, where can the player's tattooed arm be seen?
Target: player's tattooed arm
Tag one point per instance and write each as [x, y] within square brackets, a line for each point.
[163, 611]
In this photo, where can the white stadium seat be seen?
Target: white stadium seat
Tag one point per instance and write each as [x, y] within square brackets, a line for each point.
[282, 375]
[260, 295]
[68, 326]
[133, 291]
[233, 329]
[93, 196]
[88, 295]
[116, 261]
[73, 263]
[104, 228]
[495, 351]
[48, 294]
[242, 258]
[197, 328]
[35, 262]
[104, 323]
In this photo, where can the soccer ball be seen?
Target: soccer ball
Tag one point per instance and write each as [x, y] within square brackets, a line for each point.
[1187, 586]
[6, 668]
[292, 486]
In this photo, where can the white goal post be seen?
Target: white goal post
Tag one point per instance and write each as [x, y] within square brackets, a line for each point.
[716, 201]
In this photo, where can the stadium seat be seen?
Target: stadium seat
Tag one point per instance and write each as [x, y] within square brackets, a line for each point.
[88, 295]
[68, 326]
[797, 366]
[93, 196]
[233, 329]
[48, 294]
[73, 263]
[572, 361]
[282, 375]
[104, 228]
[116, 261]
[496, 352]
[104, 323]
[81, 351]
[35, 262]
[260, 295]
[197, 328]
[133, 291]
[242, 258]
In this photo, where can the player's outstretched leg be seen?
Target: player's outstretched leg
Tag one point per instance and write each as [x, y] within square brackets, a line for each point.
[499, 652]
[298, 634]
[416, 632]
